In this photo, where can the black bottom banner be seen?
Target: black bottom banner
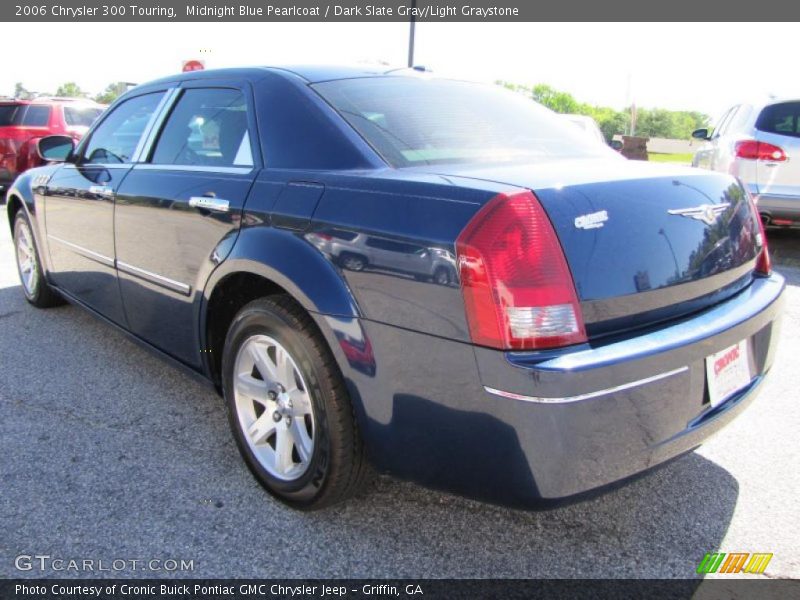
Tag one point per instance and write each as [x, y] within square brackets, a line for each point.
[299, 589]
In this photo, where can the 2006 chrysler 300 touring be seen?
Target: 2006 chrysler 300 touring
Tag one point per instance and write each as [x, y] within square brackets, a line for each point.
[433, 278]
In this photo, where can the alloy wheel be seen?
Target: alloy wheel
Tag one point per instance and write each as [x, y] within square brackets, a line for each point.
[274, 407]
[26, 258]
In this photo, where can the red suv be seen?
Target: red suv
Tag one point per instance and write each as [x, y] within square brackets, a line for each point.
[22, 122]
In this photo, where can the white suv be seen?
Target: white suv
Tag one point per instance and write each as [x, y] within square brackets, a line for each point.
[760, 144]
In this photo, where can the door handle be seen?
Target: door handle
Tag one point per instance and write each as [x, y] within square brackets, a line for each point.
[101, 190]
[210, 203]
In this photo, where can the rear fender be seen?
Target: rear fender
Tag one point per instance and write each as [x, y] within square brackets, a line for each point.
[288, 260]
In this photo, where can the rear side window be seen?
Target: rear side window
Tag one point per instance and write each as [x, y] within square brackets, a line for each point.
[75, 116]
[115, 139]
[36, 116]
[783, 118]
[411, 121]
[207, 127]
[9, 113]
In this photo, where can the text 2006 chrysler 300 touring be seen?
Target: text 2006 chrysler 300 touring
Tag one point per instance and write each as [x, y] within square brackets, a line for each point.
[434, 278]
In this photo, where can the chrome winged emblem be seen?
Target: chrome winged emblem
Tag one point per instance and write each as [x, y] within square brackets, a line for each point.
[707, 213]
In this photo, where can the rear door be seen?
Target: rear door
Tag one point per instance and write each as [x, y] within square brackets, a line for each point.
[178, 212]
[779, 125]
[79, 205]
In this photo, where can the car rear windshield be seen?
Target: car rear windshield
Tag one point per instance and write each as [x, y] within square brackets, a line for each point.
[782, 118]
[9, 114]
[419, 121]
[76, 116]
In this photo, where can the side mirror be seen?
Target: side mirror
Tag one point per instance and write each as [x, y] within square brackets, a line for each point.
[55, 148]
[615, 145]
[701, 134]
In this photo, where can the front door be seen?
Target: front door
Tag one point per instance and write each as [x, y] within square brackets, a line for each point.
[79, 207]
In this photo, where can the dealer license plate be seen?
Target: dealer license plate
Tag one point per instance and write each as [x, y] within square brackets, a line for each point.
[727, 372]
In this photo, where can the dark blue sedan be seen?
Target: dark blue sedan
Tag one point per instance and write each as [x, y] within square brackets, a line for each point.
[391, 271]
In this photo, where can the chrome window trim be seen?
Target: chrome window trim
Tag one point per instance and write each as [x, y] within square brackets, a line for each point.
[111, 166]
[175, 286]
[196, 168]
[85, 252]
[154, 125]
[588, 395]
[86, 139]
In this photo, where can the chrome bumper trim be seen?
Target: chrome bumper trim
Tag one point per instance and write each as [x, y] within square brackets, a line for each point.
[588, 395]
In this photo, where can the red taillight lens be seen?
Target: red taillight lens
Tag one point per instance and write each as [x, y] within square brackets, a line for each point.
[517, 287]
[763, 261]
[754, 150]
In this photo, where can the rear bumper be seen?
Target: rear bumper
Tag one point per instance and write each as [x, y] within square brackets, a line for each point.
[597, 415]
[779, 207]
[577, 419]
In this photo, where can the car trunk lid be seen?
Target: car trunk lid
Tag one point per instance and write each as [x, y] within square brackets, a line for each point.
[644, 243]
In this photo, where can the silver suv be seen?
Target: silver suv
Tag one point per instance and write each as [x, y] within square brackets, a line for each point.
[760, 144]
[358, 251]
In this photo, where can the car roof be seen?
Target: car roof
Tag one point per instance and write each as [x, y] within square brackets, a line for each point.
[308, 73]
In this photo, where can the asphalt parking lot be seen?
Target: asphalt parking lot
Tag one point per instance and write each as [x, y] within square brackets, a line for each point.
[108, 453]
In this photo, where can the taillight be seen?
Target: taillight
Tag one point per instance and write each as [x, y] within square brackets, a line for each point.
[763, 261]
[517, 287]
[753, 150]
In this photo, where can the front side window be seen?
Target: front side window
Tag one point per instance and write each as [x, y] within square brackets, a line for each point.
[417, 121]
[719, 128]
[115, 139]
[207, 127]
[36, 116]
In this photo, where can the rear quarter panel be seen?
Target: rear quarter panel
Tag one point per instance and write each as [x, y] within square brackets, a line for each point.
[420, 213]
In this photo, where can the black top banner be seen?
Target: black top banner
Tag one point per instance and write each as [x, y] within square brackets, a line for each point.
[393, 10]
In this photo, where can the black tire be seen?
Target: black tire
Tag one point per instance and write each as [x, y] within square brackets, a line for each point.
[39, 293]
[338, 468]
[442, 276]
[353, 262]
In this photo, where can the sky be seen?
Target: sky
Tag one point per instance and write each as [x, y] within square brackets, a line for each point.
[679, 66]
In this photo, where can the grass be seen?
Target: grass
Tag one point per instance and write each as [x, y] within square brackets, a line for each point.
[678, 158]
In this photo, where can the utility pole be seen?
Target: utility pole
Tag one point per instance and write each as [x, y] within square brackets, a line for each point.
[411, 34]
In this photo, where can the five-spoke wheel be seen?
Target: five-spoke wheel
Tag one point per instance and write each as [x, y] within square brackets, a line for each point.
[288, 406]
[273, 407]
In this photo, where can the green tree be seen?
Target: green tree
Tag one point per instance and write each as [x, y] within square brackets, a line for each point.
[111, 93]
[653, 122]
[21, 92]
[561, 102]
[70, 90]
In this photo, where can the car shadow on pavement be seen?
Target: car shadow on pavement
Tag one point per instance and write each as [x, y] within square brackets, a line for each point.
[784, 247]
[658, 524]
[112, 453]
